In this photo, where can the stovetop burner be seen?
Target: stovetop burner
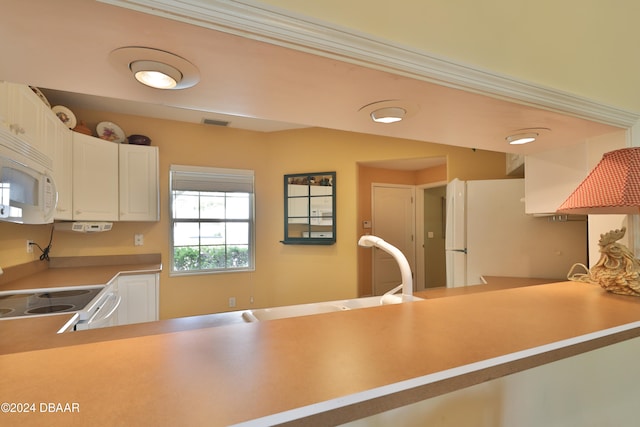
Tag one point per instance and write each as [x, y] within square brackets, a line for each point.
[36, 303]
[50, 309]
[11, 296]
[64, 294]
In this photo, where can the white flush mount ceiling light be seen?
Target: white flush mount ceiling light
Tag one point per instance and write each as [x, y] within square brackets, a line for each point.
[389, 111]
[388, 114]
[525, 136]
[522, 138]
[156, 68]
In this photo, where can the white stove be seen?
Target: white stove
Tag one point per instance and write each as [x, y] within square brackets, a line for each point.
[91, 303]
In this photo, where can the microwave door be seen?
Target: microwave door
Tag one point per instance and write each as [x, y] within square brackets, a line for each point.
[27, 196]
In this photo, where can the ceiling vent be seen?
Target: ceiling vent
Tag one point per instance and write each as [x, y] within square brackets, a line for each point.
[214, 122]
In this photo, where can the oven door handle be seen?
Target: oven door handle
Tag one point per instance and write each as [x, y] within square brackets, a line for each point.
[99, 316]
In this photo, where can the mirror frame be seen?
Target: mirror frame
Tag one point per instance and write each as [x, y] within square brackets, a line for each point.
[318, 234]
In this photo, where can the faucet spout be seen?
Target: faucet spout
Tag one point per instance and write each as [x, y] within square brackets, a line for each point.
[369, 241]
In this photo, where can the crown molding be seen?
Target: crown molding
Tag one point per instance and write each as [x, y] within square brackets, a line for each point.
[261, 22]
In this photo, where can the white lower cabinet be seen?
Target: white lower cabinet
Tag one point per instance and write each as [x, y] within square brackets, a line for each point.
[139, 298]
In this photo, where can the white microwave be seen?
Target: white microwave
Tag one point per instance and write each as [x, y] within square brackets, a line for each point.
[27, 196]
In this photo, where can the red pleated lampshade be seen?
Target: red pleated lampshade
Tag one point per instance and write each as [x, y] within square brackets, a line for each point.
[612, 187]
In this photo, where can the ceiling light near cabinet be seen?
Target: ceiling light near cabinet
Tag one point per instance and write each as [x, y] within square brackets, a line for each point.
[155, 68]
[388, 115]
[156, 74]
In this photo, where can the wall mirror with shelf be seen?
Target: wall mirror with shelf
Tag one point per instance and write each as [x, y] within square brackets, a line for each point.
[310, 208]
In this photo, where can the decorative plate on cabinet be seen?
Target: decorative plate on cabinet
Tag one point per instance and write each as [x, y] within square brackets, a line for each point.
[41, 96]
[65, 115]
[110, 132]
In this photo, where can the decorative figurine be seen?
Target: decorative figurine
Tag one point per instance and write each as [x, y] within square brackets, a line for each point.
[617, 270]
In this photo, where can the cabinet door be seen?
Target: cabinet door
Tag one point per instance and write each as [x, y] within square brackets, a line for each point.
[60, 137]
[25, 114]
[138, 183]
[22, 115]
[4, 106]
[551, 176]
[95, 179]
[139, 298]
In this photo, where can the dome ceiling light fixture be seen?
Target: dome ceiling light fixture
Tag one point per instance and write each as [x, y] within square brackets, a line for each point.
[525, 136]
[389, 111]
[156, 74]
[156, 68]
[388, 114]
[522, 138]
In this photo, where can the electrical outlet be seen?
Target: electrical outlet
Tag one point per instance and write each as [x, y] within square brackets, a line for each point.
[232, 301]
[138, 239]
[29, 246]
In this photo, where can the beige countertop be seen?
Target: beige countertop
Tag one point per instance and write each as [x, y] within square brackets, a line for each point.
[494, 283]
[37, 333]
[319, 370]
[76, 271]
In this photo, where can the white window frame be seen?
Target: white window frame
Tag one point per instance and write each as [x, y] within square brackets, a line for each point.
[200, 178]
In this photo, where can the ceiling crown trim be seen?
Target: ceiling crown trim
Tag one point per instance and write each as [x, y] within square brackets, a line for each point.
[265, 23]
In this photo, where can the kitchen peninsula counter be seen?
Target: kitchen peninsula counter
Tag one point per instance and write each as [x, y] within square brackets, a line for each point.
[317, 370]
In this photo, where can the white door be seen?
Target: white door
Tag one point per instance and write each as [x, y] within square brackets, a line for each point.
[394, 221]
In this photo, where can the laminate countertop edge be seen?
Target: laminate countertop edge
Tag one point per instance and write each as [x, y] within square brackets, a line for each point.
[360, 405]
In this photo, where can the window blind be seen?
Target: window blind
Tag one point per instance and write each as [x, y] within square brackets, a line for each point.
[198, 178]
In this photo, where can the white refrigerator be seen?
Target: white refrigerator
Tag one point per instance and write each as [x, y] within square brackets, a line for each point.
[488, 234]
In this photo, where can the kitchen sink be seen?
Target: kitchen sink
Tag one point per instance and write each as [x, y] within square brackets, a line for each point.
[263, 314]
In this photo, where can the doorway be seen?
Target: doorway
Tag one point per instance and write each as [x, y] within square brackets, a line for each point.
[433, 236]
[418, 174]
[393, 209]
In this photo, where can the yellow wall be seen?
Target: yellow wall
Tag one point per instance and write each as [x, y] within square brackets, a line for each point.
[578, 46]
[285, 274]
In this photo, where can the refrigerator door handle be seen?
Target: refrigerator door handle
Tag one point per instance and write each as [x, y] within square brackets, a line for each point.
[464, 251]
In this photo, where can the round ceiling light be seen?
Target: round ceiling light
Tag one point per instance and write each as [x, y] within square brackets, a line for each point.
[388, 115]
[522, 138]
[155, 68]
[156, 74]
[389, 111]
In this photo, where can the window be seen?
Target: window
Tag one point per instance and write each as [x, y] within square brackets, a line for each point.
[212, 221]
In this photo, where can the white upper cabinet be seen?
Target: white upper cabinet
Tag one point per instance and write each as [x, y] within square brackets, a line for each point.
[551, 176]
[95, 179]
[138, 183]
[62, 167]
[114, 182]
[24, 119]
